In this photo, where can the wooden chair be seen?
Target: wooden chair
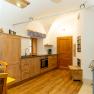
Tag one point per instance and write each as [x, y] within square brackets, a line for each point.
[3, 77]
[3, 86]
[4, 65]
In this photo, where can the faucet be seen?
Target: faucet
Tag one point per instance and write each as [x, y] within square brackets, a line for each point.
[26, 50]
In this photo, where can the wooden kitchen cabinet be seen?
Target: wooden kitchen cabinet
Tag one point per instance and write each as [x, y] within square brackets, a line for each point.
[4, 49]
[25, 70]
[36, 62]
[14, 71]
[30, 67]
[52, 61]
[25, 65]
[10, 50]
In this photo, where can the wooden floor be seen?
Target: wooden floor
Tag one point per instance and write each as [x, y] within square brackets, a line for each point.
[53, 82]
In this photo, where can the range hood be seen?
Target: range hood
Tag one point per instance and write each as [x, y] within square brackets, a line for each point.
[35, 34]
[36, 30]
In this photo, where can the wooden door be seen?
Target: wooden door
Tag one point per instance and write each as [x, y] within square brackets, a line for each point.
[64, 50]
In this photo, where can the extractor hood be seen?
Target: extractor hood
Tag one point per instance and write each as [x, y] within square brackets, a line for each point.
[19, 3]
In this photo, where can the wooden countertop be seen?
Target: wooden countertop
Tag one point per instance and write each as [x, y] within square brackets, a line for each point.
[32, 56]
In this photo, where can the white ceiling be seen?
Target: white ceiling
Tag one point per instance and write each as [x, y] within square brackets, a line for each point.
[10, 14]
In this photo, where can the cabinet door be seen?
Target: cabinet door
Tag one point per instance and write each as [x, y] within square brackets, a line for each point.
[37, 65]
[31, 67]
[25, 65]
[14, 71]
[4, 49]
[52, 62]
[25, 70]
[14, 45]
[10, 48]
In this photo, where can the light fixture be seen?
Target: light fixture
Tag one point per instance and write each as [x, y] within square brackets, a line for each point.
[19, 3]
[56, 1]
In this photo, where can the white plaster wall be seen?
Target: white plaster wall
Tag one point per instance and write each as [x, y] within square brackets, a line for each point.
[36, 26]
[21, 29]
[69, 25]
[5, 27]
[88, 37]
[65, 25]
[25, 43]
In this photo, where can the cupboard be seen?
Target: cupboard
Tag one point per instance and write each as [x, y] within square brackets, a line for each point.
[52, 60]
[10, 50]
[30, 67]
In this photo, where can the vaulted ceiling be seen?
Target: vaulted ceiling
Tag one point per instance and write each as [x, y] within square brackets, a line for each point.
[11, 14]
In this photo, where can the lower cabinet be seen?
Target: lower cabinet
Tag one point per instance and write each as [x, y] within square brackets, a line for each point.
[24, 69]
[34, 66]
[52, 61]
[25, 75]
[36, 62]
[30, 67]
[14, 71]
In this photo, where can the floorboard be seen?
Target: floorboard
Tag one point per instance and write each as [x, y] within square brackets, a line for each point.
[54, 82]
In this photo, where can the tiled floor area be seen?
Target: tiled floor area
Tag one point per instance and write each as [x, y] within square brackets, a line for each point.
[86, 88]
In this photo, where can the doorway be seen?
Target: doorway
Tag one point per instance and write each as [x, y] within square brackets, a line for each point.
[64, 51]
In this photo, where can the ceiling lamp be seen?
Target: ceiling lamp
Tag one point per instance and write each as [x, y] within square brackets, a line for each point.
[56, 1]
[19, 3]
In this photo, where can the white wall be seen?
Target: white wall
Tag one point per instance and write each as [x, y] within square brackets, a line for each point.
[5, 27]
[21, 29]
[71, 25]
[87, 28]
[25, 44]
[65, 25]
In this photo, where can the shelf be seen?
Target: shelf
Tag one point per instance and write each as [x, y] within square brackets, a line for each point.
[48, 45]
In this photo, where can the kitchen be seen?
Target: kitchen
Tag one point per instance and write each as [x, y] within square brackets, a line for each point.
[30, 43]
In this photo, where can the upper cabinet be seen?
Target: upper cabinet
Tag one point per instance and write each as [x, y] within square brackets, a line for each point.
[10, 48]
[48, 45]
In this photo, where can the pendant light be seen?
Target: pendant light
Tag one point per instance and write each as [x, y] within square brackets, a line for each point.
[19, 3]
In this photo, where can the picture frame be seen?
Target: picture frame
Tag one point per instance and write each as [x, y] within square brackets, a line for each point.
[74, 50]
[79, 44]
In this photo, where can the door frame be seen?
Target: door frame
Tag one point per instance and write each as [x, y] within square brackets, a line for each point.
[58, 51]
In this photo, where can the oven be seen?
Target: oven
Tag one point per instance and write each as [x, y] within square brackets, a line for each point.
[44, 62]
